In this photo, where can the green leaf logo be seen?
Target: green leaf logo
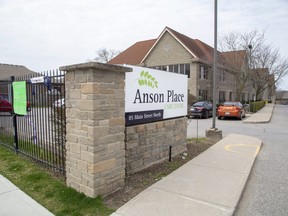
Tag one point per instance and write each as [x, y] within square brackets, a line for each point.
[147, 79]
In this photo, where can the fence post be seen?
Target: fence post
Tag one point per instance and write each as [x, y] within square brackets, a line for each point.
[14, 116]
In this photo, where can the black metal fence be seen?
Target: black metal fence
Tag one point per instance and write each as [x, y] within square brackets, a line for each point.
[40, 134]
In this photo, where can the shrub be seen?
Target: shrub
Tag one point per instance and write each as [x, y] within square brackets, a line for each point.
[256, 105]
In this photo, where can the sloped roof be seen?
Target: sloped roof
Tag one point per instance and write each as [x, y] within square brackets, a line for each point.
[200, 49]
[261, 72]
[8, 70]
[137, 53]
[134, 54]
[262, 75]
[234, 59]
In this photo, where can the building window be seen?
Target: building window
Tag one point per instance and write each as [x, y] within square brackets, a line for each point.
[176, 68]
[182, 71]
[222, 76]
[230, 96]
[243, 97]
[203, 94]
[187, 70]
[203, 74]
[222, 96]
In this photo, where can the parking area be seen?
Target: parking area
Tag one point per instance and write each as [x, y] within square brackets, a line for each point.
[196, 127]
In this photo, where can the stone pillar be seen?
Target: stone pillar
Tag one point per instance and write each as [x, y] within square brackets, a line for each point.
[95, 158]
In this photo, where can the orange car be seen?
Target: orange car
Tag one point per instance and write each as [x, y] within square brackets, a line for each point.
[231, 109]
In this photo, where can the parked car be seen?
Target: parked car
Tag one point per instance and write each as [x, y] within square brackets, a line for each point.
[59, 103]
[6, 106]
[231, 109]
[203, 109]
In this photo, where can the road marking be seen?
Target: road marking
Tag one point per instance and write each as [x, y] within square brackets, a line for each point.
[230, 148]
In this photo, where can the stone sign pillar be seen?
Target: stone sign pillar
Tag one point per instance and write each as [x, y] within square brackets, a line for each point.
[95, 112]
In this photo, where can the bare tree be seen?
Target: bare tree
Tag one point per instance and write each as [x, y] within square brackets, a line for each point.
[236, 63]
[104, 55]
[267, 58]
[260, 66]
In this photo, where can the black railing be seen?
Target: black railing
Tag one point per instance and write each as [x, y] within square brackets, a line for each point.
[40, 134]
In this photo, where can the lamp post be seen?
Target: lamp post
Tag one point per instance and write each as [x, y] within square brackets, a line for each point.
[214, 65]
[213, 133]
[250, 66]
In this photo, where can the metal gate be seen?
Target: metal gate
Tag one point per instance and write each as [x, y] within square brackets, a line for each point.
[40, 134]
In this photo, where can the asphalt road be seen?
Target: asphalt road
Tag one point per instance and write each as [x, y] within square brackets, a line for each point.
[266, 192]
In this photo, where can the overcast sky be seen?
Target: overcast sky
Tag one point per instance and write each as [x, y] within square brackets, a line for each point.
[46, 34]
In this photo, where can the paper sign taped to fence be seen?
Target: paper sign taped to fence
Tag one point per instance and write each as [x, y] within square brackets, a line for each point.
[19, 98]
[37, 80]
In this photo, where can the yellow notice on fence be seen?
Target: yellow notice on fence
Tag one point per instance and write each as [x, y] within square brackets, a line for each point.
[19, 98]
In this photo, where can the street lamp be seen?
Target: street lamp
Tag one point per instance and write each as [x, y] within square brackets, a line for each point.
[214, 133]
[214, 65]
[250, 66]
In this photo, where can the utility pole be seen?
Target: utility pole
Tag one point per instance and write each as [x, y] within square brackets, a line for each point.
[213, 133]
[250, 71]
[214, 65]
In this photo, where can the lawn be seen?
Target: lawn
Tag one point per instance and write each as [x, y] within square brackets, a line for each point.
[50, 191]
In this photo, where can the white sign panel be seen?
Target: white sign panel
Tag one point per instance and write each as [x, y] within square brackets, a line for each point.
[37, 80]
[153, 95]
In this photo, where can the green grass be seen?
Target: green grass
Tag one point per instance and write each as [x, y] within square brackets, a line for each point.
[29, 147]
[46, 189]
[6, 139]
[189, 140]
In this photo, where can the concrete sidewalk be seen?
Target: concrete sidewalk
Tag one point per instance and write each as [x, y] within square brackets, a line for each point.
[14, 202]
[210, 184]
[262, 116]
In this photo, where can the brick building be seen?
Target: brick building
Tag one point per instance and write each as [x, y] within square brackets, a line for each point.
[178, 53]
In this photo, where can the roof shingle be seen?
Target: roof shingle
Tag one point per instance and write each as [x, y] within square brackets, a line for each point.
[234, 59]
[8, 70]
[134, 54]
[200, 49]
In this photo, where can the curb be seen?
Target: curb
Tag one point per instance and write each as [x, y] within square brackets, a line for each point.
[260, 117]
[211, 184]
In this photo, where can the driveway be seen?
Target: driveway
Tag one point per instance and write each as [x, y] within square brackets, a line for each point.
[226, 125]
[266, 190]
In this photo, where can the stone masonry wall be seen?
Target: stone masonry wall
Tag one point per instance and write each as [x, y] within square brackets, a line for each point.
[148, 144]
[97, 150]
[95, 158]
